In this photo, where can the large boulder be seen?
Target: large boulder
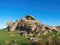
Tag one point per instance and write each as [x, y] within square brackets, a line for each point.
[29, 24]
[32, 40]
[26, 23]
[12, 26]
[10, 23]
[30, 17]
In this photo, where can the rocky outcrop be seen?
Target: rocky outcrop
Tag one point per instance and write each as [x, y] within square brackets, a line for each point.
[28, 25]
[12, 26]
[58, 27]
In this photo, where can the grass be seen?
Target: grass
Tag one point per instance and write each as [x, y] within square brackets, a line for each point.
[14, 38]
[9, 38]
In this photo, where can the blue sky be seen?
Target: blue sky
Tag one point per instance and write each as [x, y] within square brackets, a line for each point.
[46, 11]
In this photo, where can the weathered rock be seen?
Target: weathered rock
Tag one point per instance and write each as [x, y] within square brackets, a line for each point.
[30, 26]
[32, 40]
[58, 27]
[33, 29]
[30, 17]
[10, 23]
[24, 33]
[12, 26]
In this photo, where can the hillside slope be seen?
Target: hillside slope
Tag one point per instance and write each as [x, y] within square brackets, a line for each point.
[29, 31]
[11, 38]
[14, 38]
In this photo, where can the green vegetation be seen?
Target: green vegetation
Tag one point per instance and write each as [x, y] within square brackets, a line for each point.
[14, 38]
[10, 38]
